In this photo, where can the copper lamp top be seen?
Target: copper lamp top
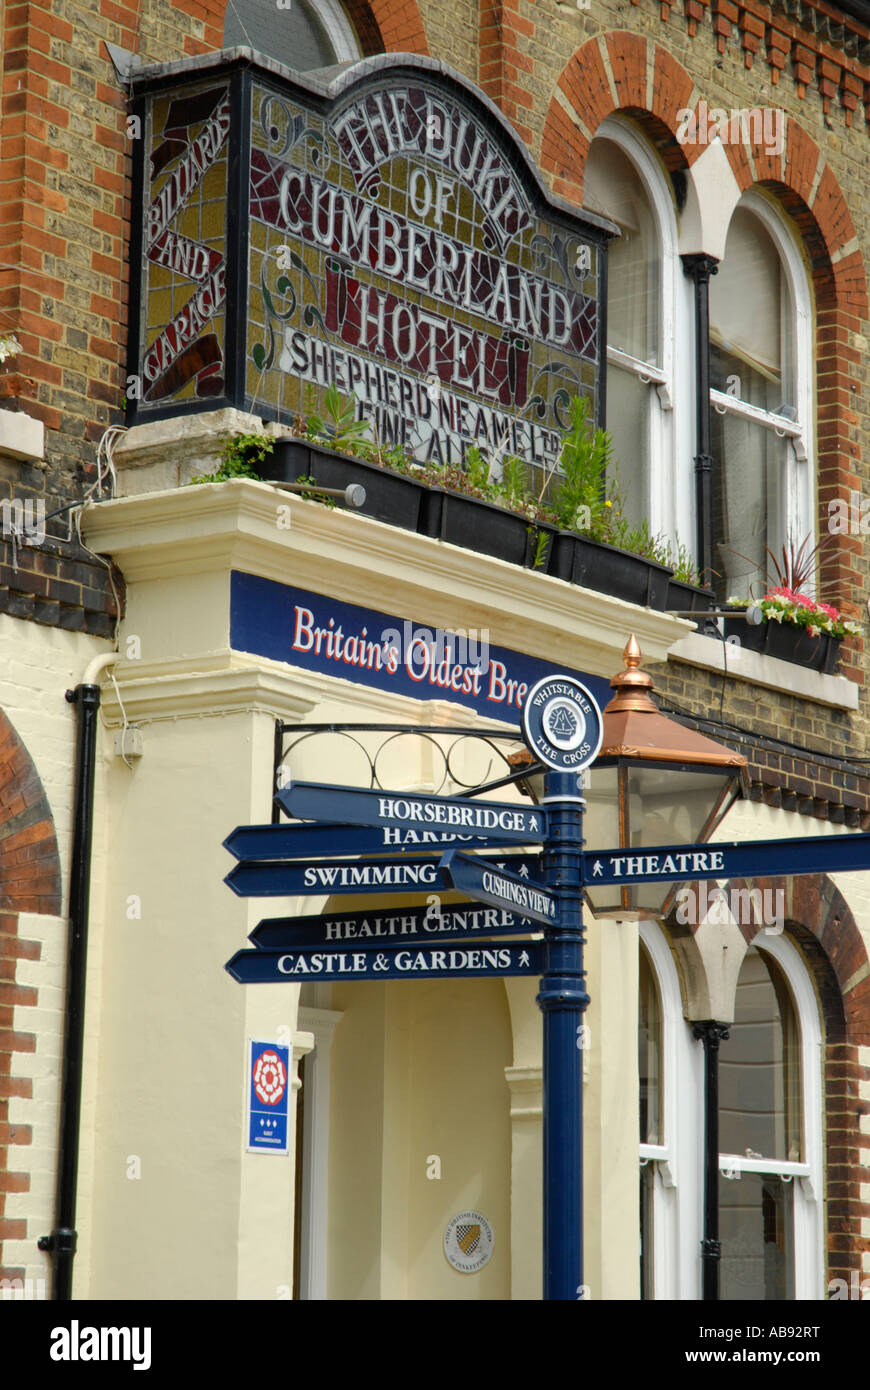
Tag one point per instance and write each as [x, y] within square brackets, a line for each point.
[634, 726]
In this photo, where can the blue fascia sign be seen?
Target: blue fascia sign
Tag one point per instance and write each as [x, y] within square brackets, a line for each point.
[394, 654]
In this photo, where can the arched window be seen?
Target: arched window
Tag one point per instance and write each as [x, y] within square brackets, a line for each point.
[671, 1128]
[649, 383]
[301, 34]
[770, 1131]
[770, 1119]
[760, 373]
[761, 366]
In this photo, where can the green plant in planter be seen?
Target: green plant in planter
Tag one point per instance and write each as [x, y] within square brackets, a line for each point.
[514, 486]
[681, 562]
[588, 497]
[585, 498]
[478, 471]
[340, 428]
[237, 458]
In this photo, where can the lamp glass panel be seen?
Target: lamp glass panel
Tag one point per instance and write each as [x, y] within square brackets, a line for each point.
[601, 817]
[663, 805]
[671, 805]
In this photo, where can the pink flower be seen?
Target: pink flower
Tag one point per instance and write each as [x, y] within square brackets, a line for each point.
[800, 600]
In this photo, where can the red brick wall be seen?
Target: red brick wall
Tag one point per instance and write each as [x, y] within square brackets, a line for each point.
[63, 209]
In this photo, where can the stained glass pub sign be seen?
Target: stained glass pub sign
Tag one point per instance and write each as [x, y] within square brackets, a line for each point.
[381, 230]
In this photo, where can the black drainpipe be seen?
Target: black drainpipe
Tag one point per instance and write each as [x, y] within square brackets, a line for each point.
[699, 267]
[61, 1244]
[711, 1034]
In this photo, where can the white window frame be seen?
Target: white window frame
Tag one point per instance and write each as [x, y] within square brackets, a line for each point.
[678, 1188]
[807, 1177]
[678, 1191]
[337, 26]
[313, 1216]
[799, 491]
[670, 421]
[338, 30]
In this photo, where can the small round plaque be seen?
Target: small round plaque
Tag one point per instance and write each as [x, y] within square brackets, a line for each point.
[468, 1242]
[562, 724]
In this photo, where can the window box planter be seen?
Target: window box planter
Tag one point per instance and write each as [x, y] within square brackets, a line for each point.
[390, 496]
[597, 565]
[474, 524]
[478, 525]
[400, 500]
[686, 598]
[788, 642]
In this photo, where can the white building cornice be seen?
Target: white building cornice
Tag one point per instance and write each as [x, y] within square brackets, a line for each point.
[250, 526]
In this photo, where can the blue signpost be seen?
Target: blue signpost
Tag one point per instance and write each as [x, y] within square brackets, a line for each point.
[432, 925]
[562, 725]
[418, 962]
[258, 842]
[319, 877]
[825, 854]
[499, 821]
[563, 728]
[493, 884]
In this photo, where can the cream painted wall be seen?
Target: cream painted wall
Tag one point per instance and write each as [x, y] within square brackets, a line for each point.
[418, 1073]
[611, 1105]
[175, 1203]
[361, 1075]
[525, 1081]
[459, 1110]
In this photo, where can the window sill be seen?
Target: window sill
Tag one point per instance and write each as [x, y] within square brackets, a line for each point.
[782, 1167]
[21, 437]
[711, 654]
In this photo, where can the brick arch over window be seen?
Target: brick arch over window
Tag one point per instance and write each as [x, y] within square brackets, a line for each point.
[613, 72]
[382, 26]
[819, 921]
[29, 859]
[622, 72]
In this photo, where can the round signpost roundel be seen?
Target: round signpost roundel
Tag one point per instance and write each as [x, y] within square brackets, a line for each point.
[562, 724]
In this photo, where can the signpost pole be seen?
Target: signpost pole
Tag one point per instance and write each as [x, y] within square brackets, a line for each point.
[562, 1000]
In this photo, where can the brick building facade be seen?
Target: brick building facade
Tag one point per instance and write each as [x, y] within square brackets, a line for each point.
[556, 72]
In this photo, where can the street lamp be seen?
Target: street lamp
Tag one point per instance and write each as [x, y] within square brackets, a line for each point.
[654, 783]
